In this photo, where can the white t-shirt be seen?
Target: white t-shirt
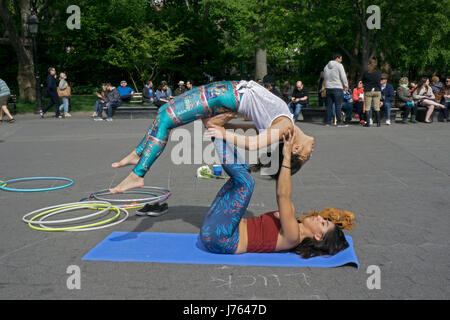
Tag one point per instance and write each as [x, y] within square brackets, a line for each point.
[260, 105]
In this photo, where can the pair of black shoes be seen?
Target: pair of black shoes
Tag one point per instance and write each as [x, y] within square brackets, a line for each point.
[9, 120]
[153, 210]
[377, 119]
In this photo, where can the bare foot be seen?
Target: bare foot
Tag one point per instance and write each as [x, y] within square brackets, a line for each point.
[132, 158]
[130, 182]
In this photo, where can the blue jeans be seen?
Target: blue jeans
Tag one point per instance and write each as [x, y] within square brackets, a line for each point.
[335, 96]
[347, 107]
[298, 109]
[359, 109]
[111, 106]
[387, 106]
[99, 107]
[65, 105]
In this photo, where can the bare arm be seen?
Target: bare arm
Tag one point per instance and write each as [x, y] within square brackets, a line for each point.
[264, 139]
[289, 225]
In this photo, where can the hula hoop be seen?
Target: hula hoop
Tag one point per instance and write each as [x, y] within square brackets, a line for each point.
[50, 211]
[97, 226]
[132, 203]
[68, 207]
[4, 183]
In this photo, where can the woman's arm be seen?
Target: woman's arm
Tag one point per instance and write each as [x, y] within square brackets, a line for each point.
[416, 95]
[355, 95]
[430, 94]
[264, 139]
[289, 225]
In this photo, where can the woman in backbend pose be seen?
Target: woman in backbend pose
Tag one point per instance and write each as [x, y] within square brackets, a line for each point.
[225, 231]
[270, 115]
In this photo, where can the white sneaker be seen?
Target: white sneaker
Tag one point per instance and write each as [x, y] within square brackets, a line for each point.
[371, 121]
[109, 119]
[98, 119]
[388, 122]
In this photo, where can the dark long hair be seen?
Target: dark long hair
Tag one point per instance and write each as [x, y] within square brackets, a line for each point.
[333, 242]
[296, 163]
[421, 84]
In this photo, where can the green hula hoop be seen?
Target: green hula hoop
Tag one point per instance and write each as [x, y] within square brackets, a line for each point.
[52, 212]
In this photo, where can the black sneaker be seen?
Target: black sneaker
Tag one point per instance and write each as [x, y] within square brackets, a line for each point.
[153, 210]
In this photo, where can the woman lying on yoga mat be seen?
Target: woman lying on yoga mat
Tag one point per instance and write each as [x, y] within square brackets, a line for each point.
[225, 231]
[269, 113]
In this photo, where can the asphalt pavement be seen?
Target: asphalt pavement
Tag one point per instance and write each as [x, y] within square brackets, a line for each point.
[394, 178]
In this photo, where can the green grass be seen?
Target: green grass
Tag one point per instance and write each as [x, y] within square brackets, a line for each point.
[87, 102]
[77, 103]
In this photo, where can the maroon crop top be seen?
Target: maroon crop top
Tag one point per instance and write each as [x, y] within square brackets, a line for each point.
[263, 233]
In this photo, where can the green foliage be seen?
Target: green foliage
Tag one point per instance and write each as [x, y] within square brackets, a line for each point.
[143, 50]
[122, 39]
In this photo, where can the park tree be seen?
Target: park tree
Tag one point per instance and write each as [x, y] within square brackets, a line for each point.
[14, 15]
[252, 30]
[407, 35]
[141, 51]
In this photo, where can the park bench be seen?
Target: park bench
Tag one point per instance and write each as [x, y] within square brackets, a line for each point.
[12, 102]
[312, 113]
[136, 108]
[137, 98]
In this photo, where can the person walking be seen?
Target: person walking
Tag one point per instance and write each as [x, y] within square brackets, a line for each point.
[64, 94]
[51, 93]
[5, 93]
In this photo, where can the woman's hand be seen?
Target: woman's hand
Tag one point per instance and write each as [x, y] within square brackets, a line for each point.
[215, 131]
[219, 120]
[288, 142]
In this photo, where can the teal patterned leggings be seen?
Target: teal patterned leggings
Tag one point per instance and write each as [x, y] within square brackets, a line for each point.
[201, 102]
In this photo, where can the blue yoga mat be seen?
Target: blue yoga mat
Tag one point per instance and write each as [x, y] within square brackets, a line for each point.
[186, 248]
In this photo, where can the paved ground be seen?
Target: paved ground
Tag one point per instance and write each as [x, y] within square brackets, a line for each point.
[395, 179]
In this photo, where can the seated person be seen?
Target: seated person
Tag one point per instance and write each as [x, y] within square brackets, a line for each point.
[181, 88]
[168, 89]
[445, 94]
[358, 101]
[125, 92]
[162, 96]
[189, 85]
[273, 89]
[405, 101]
[424, 97]
[347, 105]
[436, 85]
[147, 93]
[387, 96]
[101, 102]
[299, 99]
[112, 102]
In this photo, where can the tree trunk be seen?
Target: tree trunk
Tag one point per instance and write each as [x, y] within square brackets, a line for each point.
[21, 45]
[26, 79]
[261, 63]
